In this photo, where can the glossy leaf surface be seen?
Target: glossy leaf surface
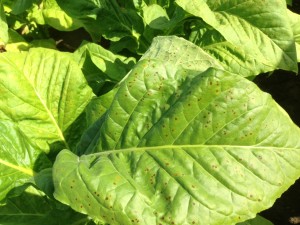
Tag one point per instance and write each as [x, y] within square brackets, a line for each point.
[208, 151]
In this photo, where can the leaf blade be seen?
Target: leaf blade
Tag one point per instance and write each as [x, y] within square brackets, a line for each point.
[249, 25]
[235, 147]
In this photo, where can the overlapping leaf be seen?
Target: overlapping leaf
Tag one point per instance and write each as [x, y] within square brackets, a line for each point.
[42, 93]
[19, 158]
[102, 68]
[261, 29]
[105, 18]
[207, 151]
[34, 208]
[295, 23]
[258, 220]
[3, 26]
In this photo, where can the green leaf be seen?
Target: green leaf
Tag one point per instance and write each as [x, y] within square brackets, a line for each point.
[19, 158]
[156, 17]
[20, 6]
[57, 18]
[295, 23]
[258, 220]
[49, 12]
[105, 18]
[289, 2]
[166, 17]
[180, 53]
[98, 106]
[93, 115]
[183, 147]
[33, 208]
[101, 67]
[43, 92]
[260, 28]
[233, 59]
[3, 26]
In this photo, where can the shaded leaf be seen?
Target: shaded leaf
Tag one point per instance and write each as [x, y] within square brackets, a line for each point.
[258, 220]
[101, 67]
[116, 22]
[260, 28]
[19, 158]
[3, 26]
[156, 17]
[295, 23]
[33, 208]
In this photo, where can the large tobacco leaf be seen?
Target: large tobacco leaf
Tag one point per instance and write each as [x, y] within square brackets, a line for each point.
[43, 92]
[179, 146]
[260, 28]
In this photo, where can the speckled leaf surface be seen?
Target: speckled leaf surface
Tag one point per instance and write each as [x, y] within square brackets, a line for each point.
[261, 28]
[182, 147]
[180, 53]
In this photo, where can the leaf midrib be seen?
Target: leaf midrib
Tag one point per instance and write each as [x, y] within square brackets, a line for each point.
[59, 131]
[165, 147]
[24, 170]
